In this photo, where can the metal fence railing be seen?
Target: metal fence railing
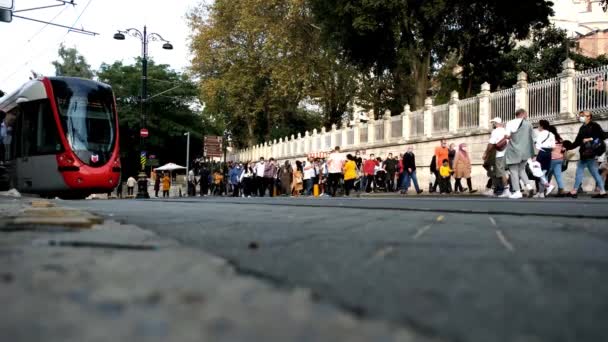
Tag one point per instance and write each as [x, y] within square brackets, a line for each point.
[417, 124]
[591, 88]
[441, 118]
[379, 130]
[543, 99]
[502, 104]
[317, 145]
[468, 113]
[363, 134]
[396, 126]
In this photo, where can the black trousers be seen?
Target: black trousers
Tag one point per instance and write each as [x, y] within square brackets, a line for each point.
[348, 186]
[333, 180]
[444, 184]
[204, 187]
[391, 182]
[130, 190]
[259, 183]
[235, 190]
[370, 181]
[458, 185]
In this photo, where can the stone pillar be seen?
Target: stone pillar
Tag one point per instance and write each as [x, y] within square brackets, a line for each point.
[299, 147]
[405, 123]
[357, 132]
[322, 146]
[521, 91]
[428, 117]
[453, 116]
[344, 134]
[267, 150]
[371, 130]
[567, 98]
[281, 154]
[292, 146]
[314, 146]
[485, 107]
[387, 125]
[332, 137]
[307, 142]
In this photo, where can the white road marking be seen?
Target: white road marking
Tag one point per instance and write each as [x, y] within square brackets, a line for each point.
[493, 222]
[421, 231]
[504, 241]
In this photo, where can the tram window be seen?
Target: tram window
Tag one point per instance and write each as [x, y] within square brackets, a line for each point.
[39, 130]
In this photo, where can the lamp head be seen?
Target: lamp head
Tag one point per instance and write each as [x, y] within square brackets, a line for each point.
[119, 36]
[167, 46]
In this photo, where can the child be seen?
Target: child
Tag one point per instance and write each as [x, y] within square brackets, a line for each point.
[445, 172]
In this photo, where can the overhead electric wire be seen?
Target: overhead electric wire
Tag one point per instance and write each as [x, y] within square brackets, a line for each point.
[20, 67]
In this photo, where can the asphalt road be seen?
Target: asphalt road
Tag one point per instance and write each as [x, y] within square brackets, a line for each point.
[469, 269]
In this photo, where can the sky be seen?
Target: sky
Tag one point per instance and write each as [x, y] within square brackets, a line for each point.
[28, 45]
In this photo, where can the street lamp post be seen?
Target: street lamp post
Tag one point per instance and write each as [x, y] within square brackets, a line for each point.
[145, 38]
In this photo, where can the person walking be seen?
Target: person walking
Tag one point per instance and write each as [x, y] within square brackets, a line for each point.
[235, 179]
[270, 175]
[350, 174]
[166, 185]
[157, 184]
[519, 150]
[286, 175]
[259, 177]
[445, 172]
[335, 163]
[462, 169]
[247, 180]
[369, 170]
[119, 188]
[590, 140]
[494, 159]
[390, 166]
[298, 180]
[204, 180]
[131, 182]
[309, 175]
[544, 142]
[191, 184]
[409, 172]
[557, 162]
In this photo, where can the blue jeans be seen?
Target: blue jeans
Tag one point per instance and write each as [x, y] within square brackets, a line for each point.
[406, 178]
[556, 170]
[591, 165]
[308, 186]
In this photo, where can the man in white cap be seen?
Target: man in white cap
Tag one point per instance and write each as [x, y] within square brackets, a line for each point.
[494, 158]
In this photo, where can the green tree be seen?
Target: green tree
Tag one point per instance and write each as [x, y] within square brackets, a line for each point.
[170, 115]
[72, 63]
[406, 39]
[259, 61]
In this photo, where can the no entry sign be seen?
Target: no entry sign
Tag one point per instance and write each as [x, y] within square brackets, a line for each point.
[143, 132]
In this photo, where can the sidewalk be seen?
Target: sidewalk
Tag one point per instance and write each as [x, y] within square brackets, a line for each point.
[111, 282]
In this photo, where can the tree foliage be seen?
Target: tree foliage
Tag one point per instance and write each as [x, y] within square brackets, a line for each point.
[72, 63]
[405, 39]
[259, 61]
[169, 115]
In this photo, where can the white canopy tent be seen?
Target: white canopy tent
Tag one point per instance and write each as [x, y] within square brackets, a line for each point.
[170, 167]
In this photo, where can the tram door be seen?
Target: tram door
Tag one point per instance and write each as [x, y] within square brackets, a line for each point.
[37, 146]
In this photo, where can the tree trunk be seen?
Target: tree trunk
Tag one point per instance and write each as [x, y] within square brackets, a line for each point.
[420, 76]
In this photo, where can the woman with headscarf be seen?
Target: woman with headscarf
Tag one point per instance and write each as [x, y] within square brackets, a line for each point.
[298, 179]
[462, 169]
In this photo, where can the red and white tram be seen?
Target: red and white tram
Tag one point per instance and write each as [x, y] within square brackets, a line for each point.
[60, 138]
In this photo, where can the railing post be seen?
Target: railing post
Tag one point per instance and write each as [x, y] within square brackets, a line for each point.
[371, 130]
[357, 132]
[567, 99]
[292, 146]
[307, 141]
[299, 147]
[344, 134]
[332, 136]
[387, 125]
[275, 152]
[428, 117]
[323, 135]
[521, 91]
[453, 123]
[313, 145]
[484, 106]
[405, 122]
[280, 154]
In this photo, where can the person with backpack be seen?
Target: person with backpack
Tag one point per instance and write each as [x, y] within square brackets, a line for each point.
[519, 150]
[494, 159]
[590, 140]
[409, 172]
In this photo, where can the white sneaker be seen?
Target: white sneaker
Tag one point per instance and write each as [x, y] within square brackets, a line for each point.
[489, 193]
[539, 195]
[529, 187]
[550, 189]
[505, 194]
[516, 195]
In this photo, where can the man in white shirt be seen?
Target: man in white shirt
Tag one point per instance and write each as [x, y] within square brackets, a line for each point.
[309, 175]
[335, 162]
[130, 185]
[495, 158]
[260, 167]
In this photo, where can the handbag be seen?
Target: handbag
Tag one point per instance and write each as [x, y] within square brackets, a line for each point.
[565, 165]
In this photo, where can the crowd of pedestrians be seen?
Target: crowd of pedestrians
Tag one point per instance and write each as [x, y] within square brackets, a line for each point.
[520, 160]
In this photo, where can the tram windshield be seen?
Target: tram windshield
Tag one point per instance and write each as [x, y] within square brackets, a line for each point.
[86, 111]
